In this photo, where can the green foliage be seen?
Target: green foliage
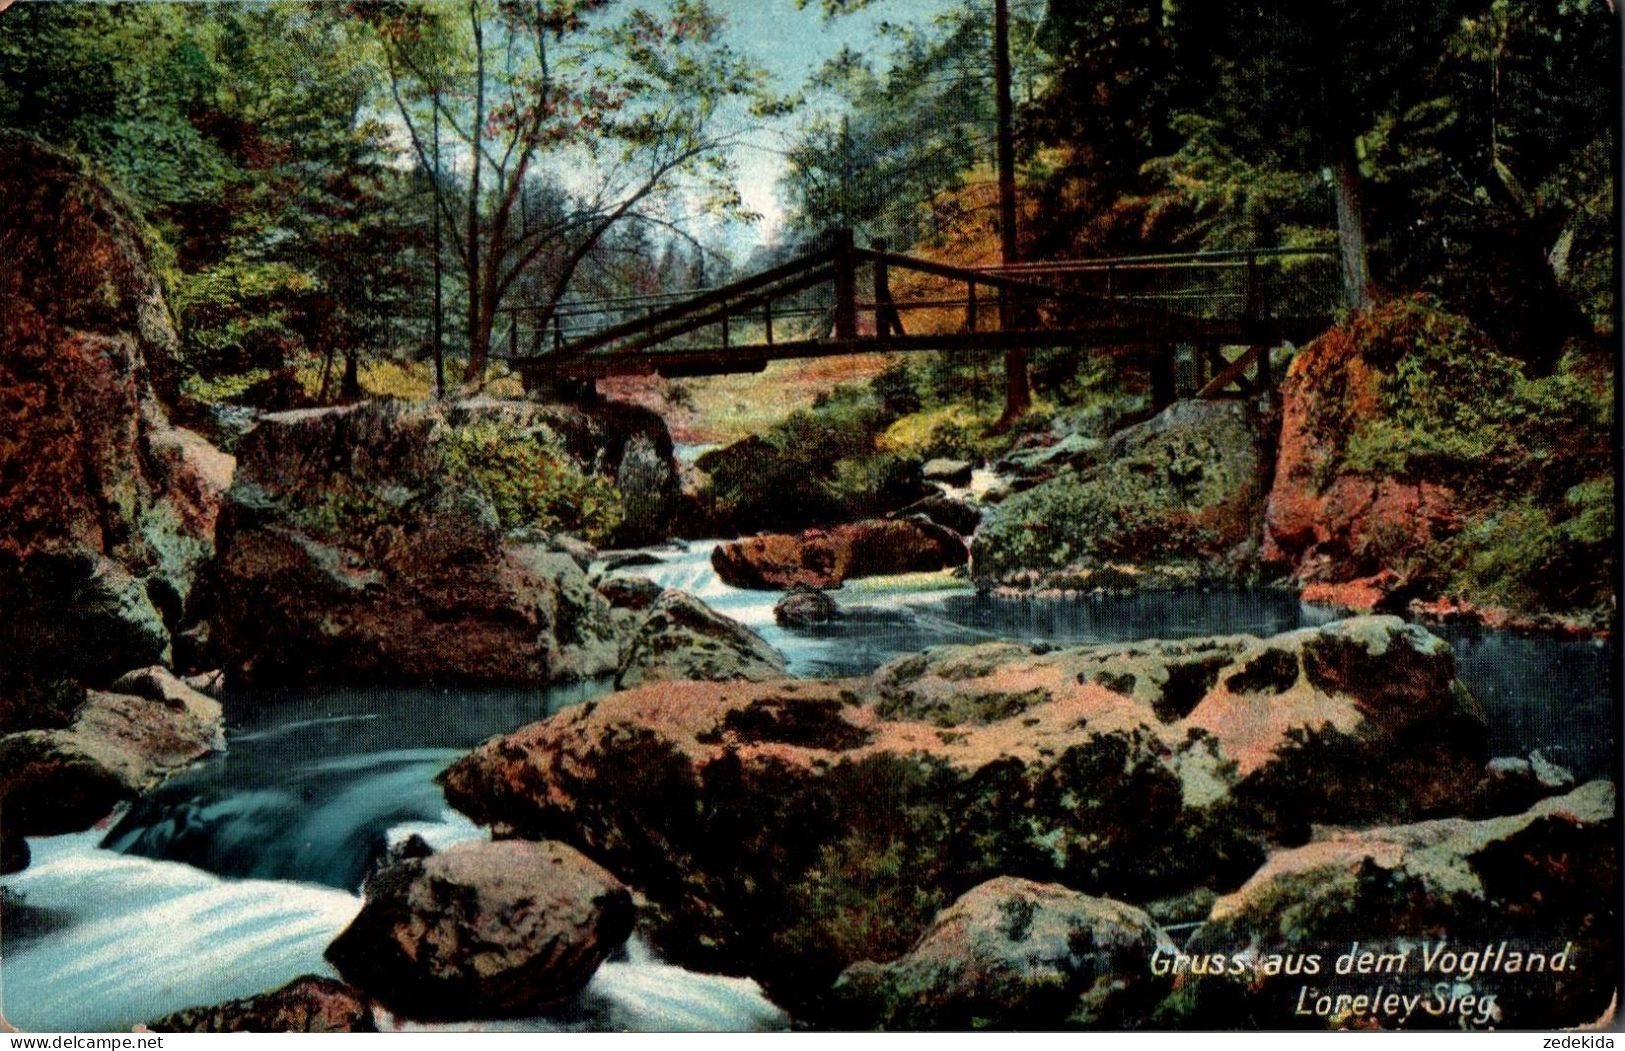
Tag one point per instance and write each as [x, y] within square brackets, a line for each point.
[236, 316]
[902, 139]
[1531, 555]
[530, 481]
[354, 512]
[857, 452]
[1444, 394]
[1187, 493]
[118, 84]
[241, 136]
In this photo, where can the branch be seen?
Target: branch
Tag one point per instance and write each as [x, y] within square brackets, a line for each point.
[573, 260]
[417, 145]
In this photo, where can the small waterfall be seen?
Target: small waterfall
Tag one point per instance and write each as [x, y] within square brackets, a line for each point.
[637, 993]
[100, 942]
[313, 782]
[97, 941]
[690, 570]
[642, 994]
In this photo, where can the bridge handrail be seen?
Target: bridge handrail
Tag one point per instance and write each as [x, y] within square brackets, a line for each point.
[1233, 257]
[1168, 258]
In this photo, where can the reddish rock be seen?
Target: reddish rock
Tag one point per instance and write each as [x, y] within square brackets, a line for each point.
[484, 930]
[107, 513]
[1352, 538]
[311, 1004]
[823, 558]
[119, 744]
[1134, 771]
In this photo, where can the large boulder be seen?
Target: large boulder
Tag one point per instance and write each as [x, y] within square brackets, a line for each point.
[1351, 534]
[1170, 500]
[484, 930]
[353, 551]
[813, 469]
[1488, 893]
[107, 514]
[679, 637]
[118, 744]
[805, 608]
[1136, 772]
[1012, 954]
[1418, 463]
[823, 558]
[311, 1004]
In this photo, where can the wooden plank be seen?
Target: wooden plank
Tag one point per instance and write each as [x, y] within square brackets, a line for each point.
[1114, 334]
[721, 360]
[1232, 372]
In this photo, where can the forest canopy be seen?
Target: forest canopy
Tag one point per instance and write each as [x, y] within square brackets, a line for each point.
[312, 172]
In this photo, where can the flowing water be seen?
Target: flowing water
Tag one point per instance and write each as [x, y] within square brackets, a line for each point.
[234, 877]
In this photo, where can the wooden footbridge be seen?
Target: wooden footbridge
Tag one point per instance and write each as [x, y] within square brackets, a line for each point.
[843, 299]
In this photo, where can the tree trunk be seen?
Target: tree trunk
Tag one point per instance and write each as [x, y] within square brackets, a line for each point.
[1351, 226]
[479, 328]
[1018, 396]
[439, 299]
[350, 386]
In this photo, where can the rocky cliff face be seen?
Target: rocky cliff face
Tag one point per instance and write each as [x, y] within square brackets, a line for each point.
[1418, 463]
[1348, 535]
[107, 514]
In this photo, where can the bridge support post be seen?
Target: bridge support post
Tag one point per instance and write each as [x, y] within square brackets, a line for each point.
[846, 286]
[887, 321]
[1215, 364]
[1164, 376]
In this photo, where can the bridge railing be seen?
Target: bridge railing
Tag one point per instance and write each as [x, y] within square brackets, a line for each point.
[841, 294]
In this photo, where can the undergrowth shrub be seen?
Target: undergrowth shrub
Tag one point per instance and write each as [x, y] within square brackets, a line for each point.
[530, 481]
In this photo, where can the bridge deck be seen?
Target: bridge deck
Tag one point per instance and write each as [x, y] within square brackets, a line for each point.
[718, 360]
[810, 307]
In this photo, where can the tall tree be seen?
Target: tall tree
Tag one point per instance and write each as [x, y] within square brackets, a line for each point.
[634, 113]
[1321, 77]
[911, 136]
